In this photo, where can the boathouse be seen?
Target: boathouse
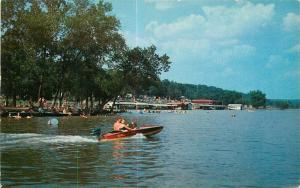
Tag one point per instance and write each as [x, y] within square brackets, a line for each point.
[206, 104]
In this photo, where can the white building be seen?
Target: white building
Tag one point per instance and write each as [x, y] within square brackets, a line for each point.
[235, 106]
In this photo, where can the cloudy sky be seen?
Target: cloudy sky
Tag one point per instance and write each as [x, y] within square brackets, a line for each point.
[233, 44]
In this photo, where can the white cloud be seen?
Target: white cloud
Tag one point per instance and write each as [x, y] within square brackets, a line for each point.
[291, 22]
[295, 48]
[235, 21]
[213, 36]
[277, 61]
[291, 74]
[185, 24]
[163, 4]
[236, 52]
[206, 51]
[228, 71]
[217, 21]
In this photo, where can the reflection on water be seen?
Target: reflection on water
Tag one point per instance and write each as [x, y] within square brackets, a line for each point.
[197, 149]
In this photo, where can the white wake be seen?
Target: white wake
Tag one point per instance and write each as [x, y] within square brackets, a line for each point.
[33, 139]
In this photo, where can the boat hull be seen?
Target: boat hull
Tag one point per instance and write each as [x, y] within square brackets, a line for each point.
[117, 135]
[146, 130]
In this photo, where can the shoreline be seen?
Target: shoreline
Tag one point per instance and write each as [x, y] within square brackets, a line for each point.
[24, 112]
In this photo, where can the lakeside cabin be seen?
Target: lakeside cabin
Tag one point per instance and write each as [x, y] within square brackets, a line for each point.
[206, 104]
[235, 107]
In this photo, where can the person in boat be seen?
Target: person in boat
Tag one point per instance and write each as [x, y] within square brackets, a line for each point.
[133, 125]
[120, 125]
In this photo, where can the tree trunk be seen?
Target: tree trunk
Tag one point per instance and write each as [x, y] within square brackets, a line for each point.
[87, 103]
[60, 82]
[55, 97]
[99, 105]
[40, 88]
[61, 98]
[6, 101]
[102, 103]
[43, 72]
[113, 104]
[92, 104]
[14, 103]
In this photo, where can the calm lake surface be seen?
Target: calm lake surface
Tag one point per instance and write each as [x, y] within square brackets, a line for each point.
[196, 149]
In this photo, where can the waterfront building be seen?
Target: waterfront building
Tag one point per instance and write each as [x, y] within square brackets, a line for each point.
[235, 107]
[206, 104]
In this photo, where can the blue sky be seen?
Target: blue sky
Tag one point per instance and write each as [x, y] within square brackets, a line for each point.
[233, 44]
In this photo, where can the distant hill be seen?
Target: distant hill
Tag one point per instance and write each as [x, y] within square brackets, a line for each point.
[176, 90]
[283, 103]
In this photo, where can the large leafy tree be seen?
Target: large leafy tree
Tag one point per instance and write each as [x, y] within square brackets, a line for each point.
[142, 67]
[135, 70]
[30, 33]
[14, 59]
[257, 99]
[91, 40]
[61, 48]
[46, 26]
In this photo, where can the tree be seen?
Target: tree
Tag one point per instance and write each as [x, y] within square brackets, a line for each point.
[61, 48]
[141, 67]
[13, 55]
[91, 40]
[30, 32]
[136, 70]
[282, 105]
[257, 99]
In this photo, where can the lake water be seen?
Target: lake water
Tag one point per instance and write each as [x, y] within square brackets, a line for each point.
[196, 149]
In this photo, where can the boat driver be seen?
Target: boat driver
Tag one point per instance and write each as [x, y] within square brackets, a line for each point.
[120, 125]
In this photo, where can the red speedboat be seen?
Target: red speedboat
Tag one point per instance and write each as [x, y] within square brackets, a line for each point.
[146, 130]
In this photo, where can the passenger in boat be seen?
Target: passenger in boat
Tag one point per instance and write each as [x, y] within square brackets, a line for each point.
[133, 125]
[120, 125]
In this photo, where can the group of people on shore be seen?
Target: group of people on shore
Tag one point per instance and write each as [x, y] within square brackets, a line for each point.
[18, 116]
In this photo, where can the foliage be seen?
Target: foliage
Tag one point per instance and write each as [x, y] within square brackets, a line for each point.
[70, 49]
[257, 99]
[142, 67]
[284, 103]
[175, 90]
